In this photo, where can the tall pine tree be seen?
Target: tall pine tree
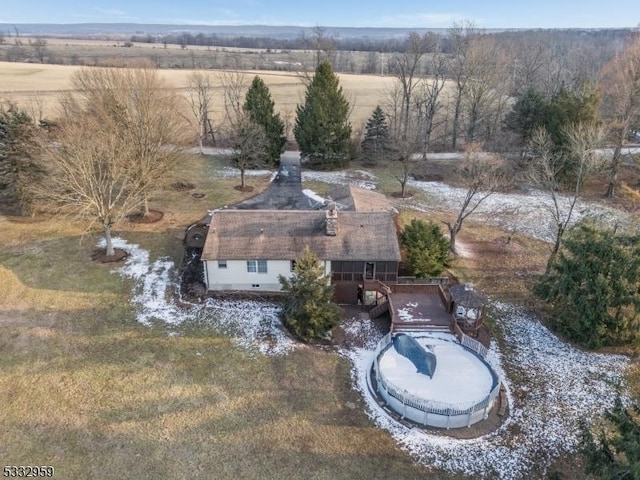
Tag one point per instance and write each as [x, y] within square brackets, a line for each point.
[377, 141]
[322, 127]
[308, 310]
[426, 249]
[19, 170]
[593, 287]
[259, 106]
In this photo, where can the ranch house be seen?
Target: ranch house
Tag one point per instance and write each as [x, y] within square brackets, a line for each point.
[246, 250]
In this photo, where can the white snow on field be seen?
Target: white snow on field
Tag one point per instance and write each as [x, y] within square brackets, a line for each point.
[363, 329]
[358, 178]
[251, 324]
[228, 172]
[528, 214]
[459, 376]
[558, 386]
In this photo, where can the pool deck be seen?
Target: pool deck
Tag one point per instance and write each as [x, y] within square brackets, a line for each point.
[421, 310]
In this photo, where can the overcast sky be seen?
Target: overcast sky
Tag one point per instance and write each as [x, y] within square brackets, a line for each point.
[339, 13]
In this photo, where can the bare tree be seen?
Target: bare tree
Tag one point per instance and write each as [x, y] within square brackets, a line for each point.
[323, 46]
[460, 35]
[405, 161]
[406, 68]
[91, 173]
[234, 87]
[147, 111]
[545, 173]
[620, 82]
[487, 86]
[39, 46]
[35, 107]
[250, 146]
[428, 101]
[481, 174]
[200, 98]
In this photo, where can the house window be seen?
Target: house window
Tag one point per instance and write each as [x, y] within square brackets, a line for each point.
[293, 266]
[222, 264]
[257, 266]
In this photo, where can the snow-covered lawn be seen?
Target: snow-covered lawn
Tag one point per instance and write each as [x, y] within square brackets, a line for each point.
[251, 324]
[527, 214]
[228, 172]
[358, 178]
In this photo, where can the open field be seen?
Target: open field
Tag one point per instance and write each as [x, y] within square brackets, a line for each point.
[35, 85]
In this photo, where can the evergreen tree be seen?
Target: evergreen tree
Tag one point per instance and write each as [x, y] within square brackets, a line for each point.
[260, 107]
[593, 287]
[614, 452]
[308, 310]
[19, 171]
[377, 140]
[426, 248]
[528, 113]
[568, 108]
[322, 127]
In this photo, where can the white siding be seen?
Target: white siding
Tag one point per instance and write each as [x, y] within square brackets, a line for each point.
[236, 277]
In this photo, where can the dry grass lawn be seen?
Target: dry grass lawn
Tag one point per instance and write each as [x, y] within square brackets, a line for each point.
[87, 389]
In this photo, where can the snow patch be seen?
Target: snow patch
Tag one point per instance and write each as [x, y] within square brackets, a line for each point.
[251, 324]
[228, 172]
[527, 214]
[406, 313]
[358, 178]
[314, 196]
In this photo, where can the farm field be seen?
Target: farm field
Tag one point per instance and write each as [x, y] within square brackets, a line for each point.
[105, 378]
[32, 85]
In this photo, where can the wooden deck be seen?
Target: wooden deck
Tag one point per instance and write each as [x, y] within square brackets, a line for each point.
[419, 310]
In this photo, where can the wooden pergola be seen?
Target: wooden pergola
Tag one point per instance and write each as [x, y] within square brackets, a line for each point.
[467, 305]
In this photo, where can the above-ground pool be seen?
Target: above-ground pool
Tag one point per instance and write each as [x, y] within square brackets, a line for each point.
[461, 391]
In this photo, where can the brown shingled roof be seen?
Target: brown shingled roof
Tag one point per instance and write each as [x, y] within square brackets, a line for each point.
[349, 197]
[283, 234]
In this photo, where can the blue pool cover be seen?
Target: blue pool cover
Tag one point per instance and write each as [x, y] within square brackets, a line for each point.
[409, 347]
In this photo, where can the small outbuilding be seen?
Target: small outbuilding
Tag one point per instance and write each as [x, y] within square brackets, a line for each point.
[467, 306]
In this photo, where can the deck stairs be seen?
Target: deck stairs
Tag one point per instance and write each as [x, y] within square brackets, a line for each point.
[380, 309]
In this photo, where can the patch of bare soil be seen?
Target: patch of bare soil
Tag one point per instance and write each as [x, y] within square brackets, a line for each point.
[246, 188]
[152, 217]
[100, 255]
[198, 195]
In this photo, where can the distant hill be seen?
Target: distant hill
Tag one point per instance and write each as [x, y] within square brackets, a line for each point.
[277, 32]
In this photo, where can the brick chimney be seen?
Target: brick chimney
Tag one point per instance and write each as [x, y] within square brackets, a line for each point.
[331, 222]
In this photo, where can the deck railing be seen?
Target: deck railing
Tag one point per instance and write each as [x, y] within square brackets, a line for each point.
[423, 281]
[432, 406]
